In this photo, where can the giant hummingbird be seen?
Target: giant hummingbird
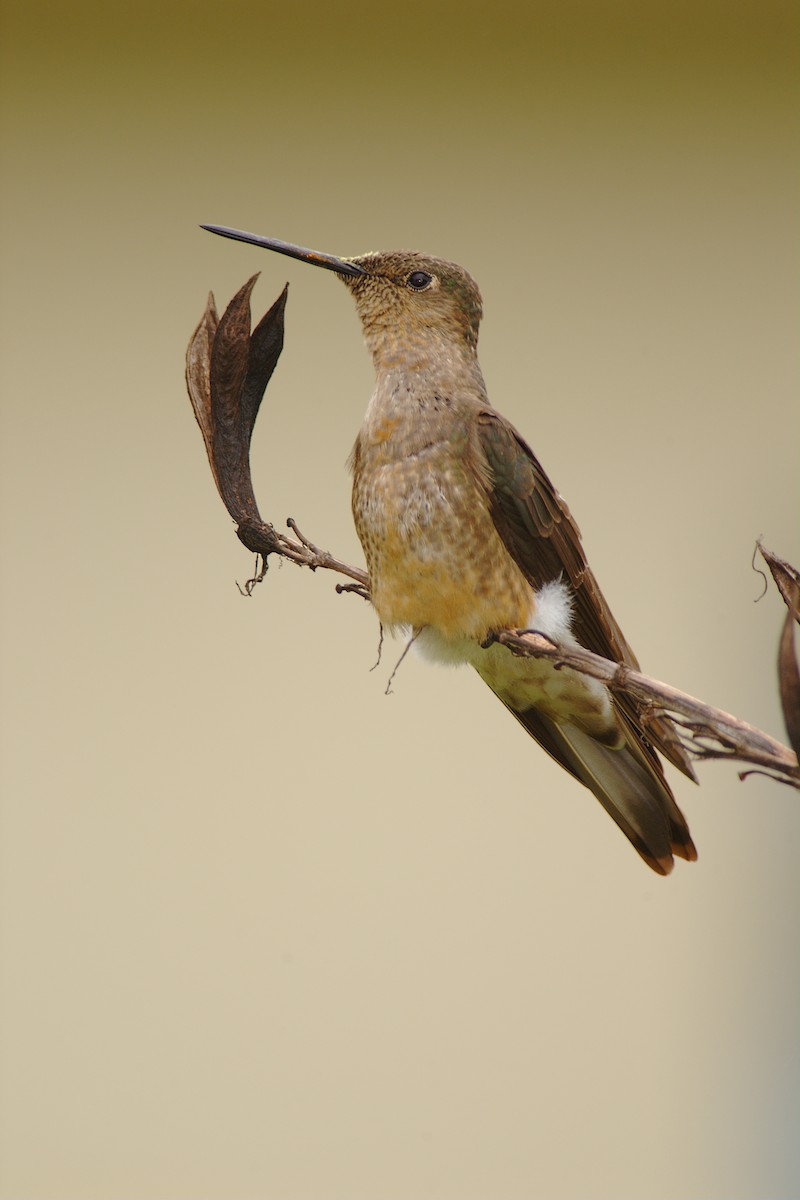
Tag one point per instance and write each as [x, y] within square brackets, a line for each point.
[465, 536]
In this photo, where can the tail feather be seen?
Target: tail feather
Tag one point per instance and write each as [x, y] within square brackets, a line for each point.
[628, 781]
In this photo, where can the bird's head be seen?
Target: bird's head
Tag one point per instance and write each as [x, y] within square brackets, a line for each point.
[406, 298]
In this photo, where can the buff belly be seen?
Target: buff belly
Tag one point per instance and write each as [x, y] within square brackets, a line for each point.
[435, 558]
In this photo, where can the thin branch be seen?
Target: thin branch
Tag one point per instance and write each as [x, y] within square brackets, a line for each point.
[264, 539]
[706, 732]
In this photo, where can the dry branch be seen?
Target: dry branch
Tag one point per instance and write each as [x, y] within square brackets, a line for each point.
[227, 372]
[705, 732]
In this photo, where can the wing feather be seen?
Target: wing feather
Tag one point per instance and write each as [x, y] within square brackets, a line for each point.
[544, 541]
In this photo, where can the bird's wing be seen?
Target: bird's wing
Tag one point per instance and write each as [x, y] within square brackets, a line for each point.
[543, 539]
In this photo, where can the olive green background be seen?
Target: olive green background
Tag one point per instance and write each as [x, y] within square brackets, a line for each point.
[266, 932]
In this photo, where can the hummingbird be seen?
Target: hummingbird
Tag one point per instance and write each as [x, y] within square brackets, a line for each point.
[465, 536]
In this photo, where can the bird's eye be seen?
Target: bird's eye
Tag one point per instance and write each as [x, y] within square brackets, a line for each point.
[419, 280]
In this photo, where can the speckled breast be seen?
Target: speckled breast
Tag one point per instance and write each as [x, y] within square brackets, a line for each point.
[434, 556]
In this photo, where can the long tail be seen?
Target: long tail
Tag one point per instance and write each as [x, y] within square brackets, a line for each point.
[628, 781]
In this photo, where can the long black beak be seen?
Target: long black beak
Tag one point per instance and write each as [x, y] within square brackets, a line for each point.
[315, 257]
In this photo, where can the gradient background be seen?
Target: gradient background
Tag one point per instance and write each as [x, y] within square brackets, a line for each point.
[267, 933]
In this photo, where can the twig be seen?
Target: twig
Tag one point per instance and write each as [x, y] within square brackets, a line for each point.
[264, 539]
[698, 722]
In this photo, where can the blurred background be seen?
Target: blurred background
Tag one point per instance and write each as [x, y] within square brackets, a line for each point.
[268, 934]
